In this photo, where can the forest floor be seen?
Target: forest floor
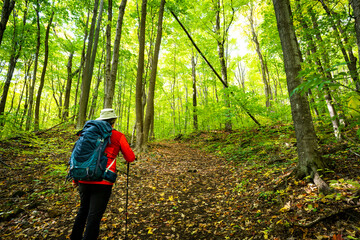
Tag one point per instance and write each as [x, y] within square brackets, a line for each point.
[206, 185]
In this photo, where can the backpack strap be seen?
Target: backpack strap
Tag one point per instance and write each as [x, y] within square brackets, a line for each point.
[108, 168]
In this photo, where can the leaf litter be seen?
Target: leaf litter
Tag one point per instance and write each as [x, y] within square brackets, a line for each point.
[183, 190]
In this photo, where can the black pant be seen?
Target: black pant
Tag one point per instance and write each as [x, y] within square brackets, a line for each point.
[94, 199]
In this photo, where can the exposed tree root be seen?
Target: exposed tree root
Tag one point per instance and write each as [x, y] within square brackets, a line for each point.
[319, 219]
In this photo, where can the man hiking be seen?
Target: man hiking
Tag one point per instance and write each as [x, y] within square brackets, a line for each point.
[95, 194]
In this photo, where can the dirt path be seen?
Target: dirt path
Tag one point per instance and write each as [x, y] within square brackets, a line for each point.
[181, 193]
[175, 192]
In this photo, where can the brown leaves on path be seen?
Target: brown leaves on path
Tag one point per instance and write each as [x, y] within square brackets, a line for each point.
[181, 193]
[176, 191]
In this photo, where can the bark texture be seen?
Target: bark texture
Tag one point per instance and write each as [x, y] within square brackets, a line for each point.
[7, 8]
[89, 65]
[151, 92]
[309, 160]
[139, 82]
[42, 79]
[110, 85]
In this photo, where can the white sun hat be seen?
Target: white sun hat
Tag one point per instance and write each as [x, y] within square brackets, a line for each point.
[107, 113]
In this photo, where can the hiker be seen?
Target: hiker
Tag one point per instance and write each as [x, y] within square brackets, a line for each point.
[94, 195]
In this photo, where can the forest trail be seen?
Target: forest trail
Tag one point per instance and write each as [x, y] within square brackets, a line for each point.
[176, 191]
[179, 192]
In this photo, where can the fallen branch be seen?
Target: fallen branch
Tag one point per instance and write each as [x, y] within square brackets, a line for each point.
[46, 130]
[212, 68]
[354, 153]
[319, 219]
[1, 161]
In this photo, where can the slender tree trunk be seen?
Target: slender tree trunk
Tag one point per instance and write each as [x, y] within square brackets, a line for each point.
[89, 65]
[82, 64]
[65, 112]
[347, 53]
[221, 52]
[16, 51]
[267, 88]
[128, 111]
[12, 64]
[110, 85]
[32, 86]
[108, 55]
[309, 160]
[151, 93]
[42, 79]
[57, 102]
[211, 67]
[96, 89]
[7, 8]
[313, 49]
[27, 66]
[70, 75]
[25, 105]
[139, 82]
[355, 4]
[194, 95]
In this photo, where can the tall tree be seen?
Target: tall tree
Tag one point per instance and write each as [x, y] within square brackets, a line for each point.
[89, 63]
[263, 63]
[139, 81]
[42, 79]
[108, 54]
[194, 95]
[313, 55]
[15, 54]
[309, 159]
[110, 80]
[36, 62]
[83, 55]
[346, 49]
[151, 92]
[355, 4]
[221, 30]
[8, 6]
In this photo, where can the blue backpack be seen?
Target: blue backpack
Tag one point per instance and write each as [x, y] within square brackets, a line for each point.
[88, 160]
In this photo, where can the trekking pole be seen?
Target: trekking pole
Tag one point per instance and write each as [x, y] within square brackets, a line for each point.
[126, 202]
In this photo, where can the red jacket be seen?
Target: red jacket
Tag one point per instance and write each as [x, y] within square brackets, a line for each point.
[117, 143]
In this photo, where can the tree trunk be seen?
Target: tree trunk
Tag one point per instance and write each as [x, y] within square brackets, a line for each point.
[7, 8]
[309, 159]
[221, 52]
[313, 49]
[16, 51]
[355, 4]
[110, 85]
[349, 57]
[194, 96]
[151, 92]
[240, 75]
[128, 111]
[108, 54]
[36, 61]
[82, 64]
[208, 63]
[96, 89]
[13, 60]
[27, 65]
[12, 64]
[139, 82]
[70, 75]
[89, 65]
[255, 40]
[42, 79]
